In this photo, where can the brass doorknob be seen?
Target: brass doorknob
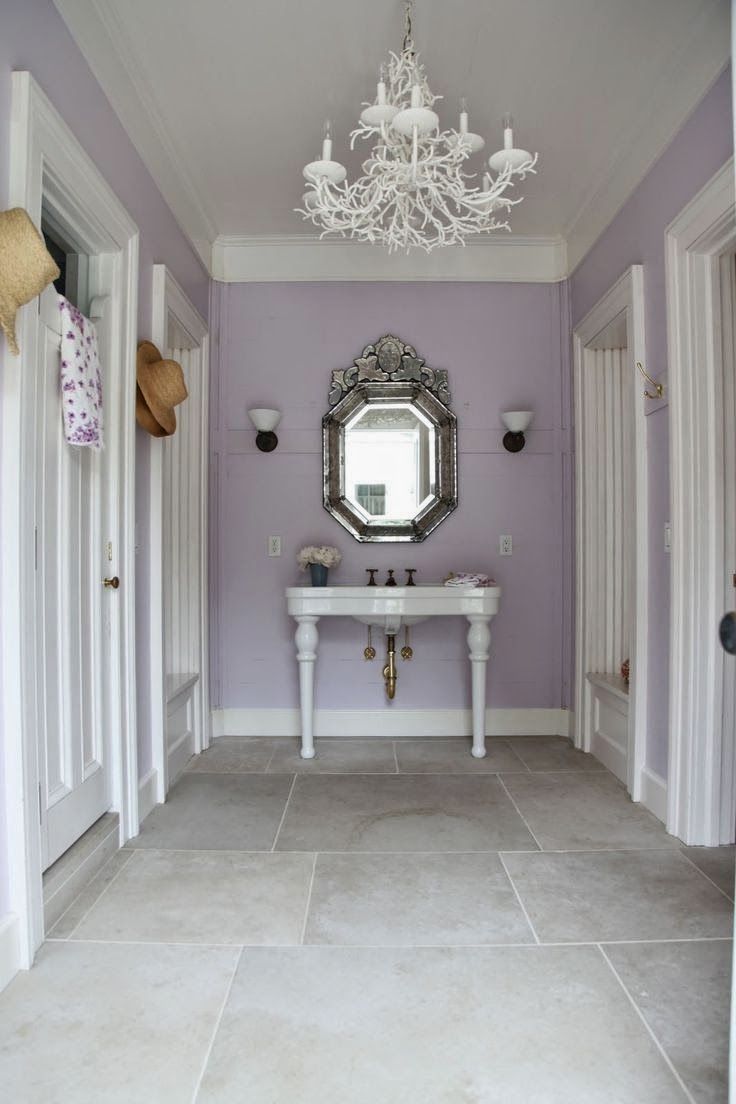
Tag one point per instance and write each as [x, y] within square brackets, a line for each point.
[111, 584]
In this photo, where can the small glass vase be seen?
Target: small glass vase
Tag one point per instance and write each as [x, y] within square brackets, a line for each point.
[319, 574]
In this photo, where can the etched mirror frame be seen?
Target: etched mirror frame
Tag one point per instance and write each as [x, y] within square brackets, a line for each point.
[387, 372]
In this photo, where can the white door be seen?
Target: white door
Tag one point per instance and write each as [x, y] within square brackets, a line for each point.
[71, 602]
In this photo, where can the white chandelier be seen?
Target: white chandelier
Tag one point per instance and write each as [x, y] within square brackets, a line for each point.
[413, 190]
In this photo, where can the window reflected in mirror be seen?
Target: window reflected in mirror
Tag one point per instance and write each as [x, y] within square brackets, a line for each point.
[389, 462]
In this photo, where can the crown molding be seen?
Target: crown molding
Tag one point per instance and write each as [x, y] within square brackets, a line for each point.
[101, 36]
[698, 66]
[298, 258]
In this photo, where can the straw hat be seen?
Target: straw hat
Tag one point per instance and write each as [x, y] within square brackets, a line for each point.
[161, 387]
[26, 267]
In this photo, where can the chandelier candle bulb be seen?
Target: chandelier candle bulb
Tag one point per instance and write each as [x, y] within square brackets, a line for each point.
[327, 141]
[508, 132]
[463, 116]
[381, 88]
[416, 96]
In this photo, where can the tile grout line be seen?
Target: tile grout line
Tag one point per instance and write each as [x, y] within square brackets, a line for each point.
[218, 1021]
[309, 899]
[518, 810]
[648, 1027]
[267, 767]
[706, 876]
[390, 946]
[283, 815]
[521, 903]
[516, 755]
[99, 897]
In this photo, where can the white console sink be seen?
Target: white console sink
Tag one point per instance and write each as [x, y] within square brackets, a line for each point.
[391, 608]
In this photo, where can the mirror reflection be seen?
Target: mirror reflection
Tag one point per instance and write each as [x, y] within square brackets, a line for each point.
[389, 461]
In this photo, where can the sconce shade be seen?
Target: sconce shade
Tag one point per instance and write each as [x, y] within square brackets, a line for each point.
[265, 421]
[517, 421]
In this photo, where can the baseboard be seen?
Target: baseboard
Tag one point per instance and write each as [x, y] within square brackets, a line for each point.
[609, 753]
[390, 723]
[9, 948]
[147, 789]
[654, 793]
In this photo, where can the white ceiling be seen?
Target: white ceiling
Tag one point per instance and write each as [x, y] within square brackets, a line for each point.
[225, 99]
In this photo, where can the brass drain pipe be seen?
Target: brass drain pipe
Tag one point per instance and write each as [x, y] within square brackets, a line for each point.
[389, 671]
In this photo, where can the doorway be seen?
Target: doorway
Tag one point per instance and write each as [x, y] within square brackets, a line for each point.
[611, 532]
[701, 286]
[180, 719]
[68, 645]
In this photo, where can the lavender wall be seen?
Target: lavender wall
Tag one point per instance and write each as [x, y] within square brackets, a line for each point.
[34, 37]
[636, 236]
[503, 347]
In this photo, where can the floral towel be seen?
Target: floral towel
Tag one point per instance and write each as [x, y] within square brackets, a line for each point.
[81, 379]
[469, 579]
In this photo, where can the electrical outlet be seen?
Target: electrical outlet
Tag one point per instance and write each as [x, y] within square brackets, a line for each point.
[667, 537]
[505, 546]
[274, 546]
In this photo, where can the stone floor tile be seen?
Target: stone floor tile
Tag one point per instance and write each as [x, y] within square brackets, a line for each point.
[611, 895]
[233, 755]
[414, 901]
[684, 992]
[401, 813]
[584, 812]
[218, 812]
[523, 1025]
[92, 1023]
[440, 756]
[552, 753]
[204, 897]
[336, 756]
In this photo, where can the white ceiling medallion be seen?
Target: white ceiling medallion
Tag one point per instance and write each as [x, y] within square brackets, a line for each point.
[414, 190]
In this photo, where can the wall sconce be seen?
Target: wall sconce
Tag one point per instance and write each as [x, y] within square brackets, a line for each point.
[265, 422]
[516, 422]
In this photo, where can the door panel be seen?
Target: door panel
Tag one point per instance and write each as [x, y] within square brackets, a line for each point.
[69, 611]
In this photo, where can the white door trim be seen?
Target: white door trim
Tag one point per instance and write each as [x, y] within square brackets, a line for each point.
[171, 306]
[625, 297]
[701, 801]
[47, 164]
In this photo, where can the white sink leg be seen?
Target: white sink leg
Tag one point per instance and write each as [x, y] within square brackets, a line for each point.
[307, 639]
[479, 639]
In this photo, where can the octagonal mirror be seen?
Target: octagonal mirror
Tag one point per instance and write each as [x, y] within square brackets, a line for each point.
[390, 445]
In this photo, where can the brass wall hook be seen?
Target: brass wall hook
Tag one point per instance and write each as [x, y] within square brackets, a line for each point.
[658, 387]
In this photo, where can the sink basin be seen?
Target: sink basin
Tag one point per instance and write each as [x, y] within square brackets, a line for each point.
[389, 623]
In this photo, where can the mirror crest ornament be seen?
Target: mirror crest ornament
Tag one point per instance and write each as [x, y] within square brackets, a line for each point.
[390, 445]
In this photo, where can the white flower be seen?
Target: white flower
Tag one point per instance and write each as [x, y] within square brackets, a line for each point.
[324, 554]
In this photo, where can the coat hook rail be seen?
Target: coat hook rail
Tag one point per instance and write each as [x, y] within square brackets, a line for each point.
[658, 387]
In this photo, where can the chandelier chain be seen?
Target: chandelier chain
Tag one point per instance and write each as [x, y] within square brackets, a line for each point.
[408, 44]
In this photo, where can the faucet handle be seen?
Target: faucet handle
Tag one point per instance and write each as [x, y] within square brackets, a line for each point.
[390, 581]
[372, 572]
[410, 573]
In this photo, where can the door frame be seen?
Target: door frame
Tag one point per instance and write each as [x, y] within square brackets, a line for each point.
[171, 306]
[702, 764]
[625, 297]
[48, 167]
